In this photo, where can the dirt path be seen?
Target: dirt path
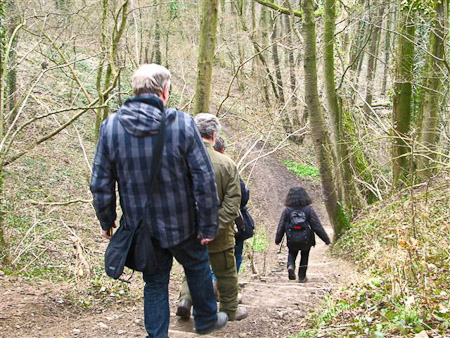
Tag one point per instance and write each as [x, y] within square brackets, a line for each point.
[276, 305]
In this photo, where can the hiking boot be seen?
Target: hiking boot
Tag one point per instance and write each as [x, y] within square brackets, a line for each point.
[302, 279]
[184, 309]
[241, 313]
[222, 319]
[291, 273]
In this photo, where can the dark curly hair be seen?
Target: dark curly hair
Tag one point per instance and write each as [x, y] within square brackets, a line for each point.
[297, 197]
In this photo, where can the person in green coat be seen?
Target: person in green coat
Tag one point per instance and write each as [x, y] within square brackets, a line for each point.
[221, 249]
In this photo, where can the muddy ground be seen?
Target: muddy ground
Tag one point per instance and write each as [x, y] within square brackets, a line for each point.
[277, 307]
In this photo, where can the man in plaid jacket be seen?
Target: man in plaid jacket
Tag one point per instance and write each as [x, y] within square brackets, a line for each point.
[183, 213]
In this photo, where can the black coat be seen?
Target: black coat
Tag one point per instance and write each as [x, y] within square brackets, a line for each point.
[313, 221]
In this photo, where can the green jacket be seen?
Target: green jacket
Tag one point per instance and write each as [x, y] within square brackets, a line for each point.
[229, 191]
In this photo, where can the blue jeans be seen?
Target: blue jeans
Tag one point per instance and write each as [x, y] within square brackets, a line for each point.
[194, 258]
[238, 249]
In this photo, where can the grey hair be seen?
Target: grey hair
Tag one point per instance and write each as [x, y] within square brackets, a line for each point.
[150, 79]
[219, 144]
[207, 124]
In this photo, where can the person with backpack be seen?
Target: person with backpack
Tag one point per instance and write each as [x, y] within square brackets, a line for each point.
[300, 223]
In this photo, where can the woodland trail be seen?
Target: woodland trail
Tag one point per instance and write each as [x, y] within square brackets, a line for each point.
[276, 305]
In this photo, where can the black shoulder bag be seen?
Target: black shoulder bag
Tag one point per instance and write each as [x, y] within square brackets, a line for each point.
[245, 225]
[132, 246]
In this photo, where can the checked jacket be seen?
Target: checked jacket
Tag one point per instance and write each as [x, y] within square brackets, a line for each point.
[184, 199]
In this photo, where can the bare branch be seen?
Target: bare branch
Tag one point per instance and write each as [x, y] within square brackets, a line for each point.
[280, 9]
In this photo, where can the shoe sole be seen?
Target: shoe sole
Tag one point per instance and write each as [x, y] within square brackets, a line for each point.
[184, 313]
[291, 274]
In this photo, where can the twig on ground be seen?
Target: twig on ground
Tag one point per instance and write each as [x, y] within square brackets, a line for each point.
[32, 243]
[83, 150]
[78, 252]
[61, 203]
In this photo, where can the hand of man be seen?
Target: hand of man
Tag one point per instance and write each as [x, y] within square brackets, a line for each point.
[108, 233]
[204, 241]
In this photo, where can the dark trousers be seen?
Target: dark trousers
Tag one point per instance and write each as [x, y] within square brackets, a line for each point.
[194, 258]
[304, 256]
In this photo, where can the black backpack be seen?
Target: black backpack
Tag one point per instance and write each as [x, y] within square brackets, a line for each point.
[245, 225]
[298, 231]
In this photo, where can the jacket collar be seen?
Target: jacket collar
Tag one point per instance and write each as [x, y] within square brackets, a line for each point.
[150, 99]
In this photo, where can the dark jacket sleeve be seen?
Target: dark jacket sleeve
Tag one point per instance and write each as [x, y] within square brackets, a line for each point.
[317, 227]
[103, 184]
[282, 226]
[245, 193]
[204, 186]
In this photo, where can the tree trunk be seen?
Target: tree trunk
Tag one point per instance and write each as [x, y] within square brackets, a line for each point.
[357, 38]
[287, 124]
[276, 62]
[318, 126]
[101, 99]
[372, 62]
[295, 112]
[402, 107]
[344, 174]
[354, 163]
[265, 42]
[10, 72]
[110, 56]
[156, 51]
[431, 96]
[241, 25]
[387, 47]
[358, 42]
[207, 45]
[330, 87]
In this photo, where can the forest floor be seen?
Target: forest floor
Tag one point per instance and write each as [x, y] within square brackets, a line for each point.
[277, 307]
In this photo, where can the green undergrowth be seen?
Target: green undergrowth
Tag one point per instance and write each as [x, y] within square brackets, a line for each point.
[259, 241]
[404, 246]
[300, 169]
